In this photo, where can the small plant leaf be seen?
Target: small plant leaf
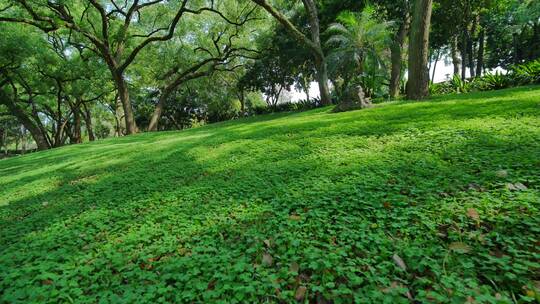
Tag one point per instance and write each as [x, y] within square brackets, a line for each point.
[459, 247]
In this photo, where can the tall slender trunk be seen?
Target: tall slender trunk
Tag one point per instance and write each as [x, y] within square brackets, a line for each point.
[515, 41]
[455, 58]
[23, 140]
[396, 55]
[464, 58]
[437, 57]
[77, 133]
[87, 115]
[470, 56]
[418, 84]
[480, 60]
[2, 133]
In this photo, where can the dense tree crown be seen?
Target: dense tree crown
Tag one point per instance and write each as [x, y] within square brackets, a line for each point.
[72, 71]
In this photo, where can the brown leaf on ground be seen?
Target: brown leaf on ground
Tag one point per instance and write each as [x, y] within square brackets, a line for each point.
[399, 261]
[300, 293]
[294, 267]
[472, 213]
[459, 247]
[267, 259]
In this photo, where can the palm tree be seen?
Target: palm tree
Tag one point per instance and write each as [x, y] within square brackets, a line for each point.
[359, 42]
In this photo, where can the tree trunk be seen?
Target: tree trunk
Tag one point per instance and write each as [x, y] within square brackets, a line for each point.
[480, 62]
[158, 111]
[322, 79]
[35, 131]
[455, 58]
[464, 58]
[314, 45]
[123, 93]
[119, 117]
[23, 140]
[437, 57]
[242, 98]
[88, 122]
[77, 133]
[418, 83]
[470, 56]
[515, 41]
[396, 55]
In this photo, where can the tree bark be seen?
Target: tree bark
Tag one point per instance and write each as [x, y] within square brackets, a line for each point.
[480, 61]
[77, 133]
[123, 94]
[464, 58]
[418, 83]
[313, 44]
[119, 116]
[322, 79]
[470, 56]
[396, 55]
[437, 57]
[455, 58]
[87, 116]
[26, 121]
[158, 110]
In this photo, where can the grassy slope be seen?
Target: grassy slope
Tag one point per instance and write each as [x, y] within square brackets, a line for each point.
[198, 215]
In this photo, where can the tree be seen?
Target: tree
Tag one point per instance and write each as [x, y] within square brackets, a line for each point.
[418, 81]
[358, 40]
[123, 32]
[313, 43]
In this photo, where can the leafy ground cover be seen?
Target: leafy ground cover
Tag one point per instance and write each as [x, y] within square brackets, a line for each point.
[433, 202]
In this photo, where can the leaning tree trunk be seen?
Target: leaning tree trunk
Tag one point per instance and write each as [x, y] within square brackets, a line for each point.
[158, 110]
[418, 83]
[35, 131]
[396, 54]
[456, 62]
[437, 57]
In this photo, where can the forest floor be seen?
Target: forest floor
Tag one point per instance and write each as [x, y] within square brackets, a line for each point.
[435, 201]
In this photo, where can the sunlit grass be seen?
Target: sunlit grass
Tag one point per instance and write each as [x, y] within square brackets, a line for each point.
[193, 216]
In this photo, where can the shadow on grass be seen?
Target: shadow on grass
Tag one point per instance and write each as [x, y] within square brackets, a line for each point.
[189, 213]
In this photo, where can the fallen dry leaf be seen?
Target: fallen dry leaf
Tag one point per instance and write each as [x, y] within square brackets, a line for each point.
[295, 217]
[459, 247]
[472, 213]
[502, 173]
[300, 293]
[399, 261]
[267, 259]
[294, 267]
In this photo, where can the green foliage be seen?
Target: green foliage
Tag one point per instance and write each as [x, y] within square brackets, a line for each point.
[358, 43]
[437, 200]
[522, 74]
[528, 72]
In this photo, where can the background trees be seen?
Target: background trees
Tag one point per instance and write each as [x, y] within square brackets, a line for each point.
[80, 70]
